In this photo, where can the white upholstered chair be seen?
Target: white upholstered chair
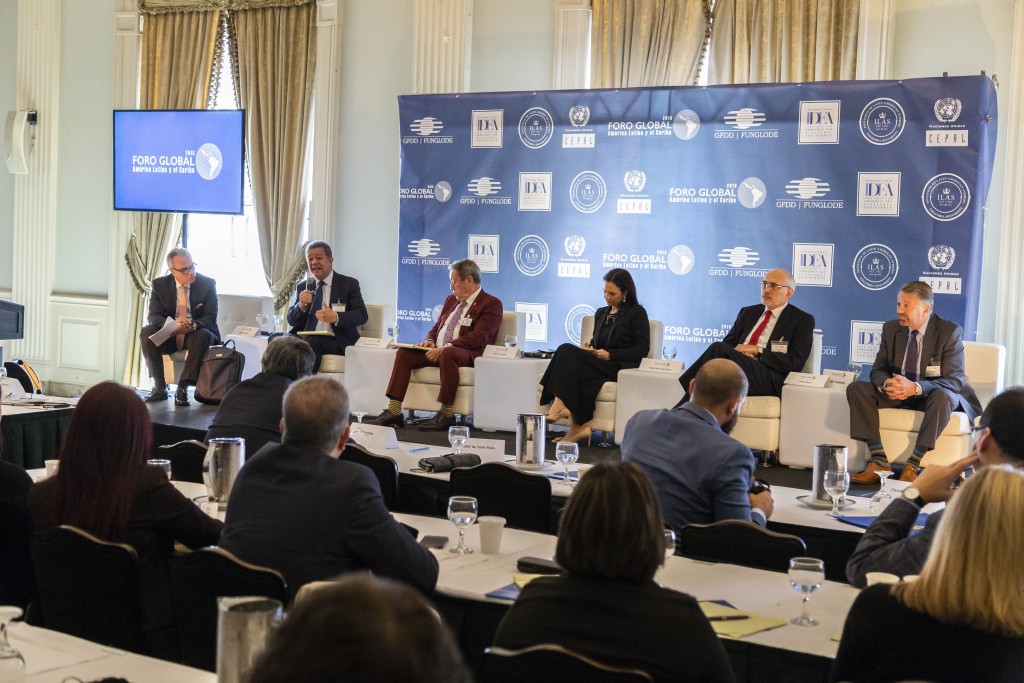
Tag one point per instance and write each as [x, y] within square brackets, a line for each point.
[426, 382]
[378, 317]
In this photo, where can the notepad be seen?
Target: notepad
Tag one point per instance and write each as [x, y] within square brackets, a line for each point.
[511, 591]
[316, 333]
[415, 347]
[754, 623]
[864, 521]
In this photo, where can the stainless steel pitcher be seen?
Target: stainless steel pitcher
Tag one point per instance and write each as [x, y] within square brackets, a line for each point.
[826, 456]
[244, 624]
[531, 437]
[224, 458]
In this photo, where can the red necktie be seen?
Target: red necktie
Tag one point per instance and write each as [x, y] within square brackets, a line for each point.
[760, 328]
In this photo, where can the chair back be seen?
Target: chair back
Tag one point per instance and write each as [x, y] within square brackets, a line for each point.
[985, 365]
[657, 334]
[524, 500]
[383, 467]
[549, 662]
[377, 320]
[512, 322]
[89, 588]
[186, 459]
[735, 541]
[813, 363]
[197, 580]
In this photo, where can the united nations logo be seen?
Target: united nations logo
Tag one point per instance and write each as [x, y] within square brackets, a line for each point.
[941, 257]
[209, 161]
[587, 192]
[635, 180]
[574, 245]
[536, 127]
[680, 259]
[738, 257]
[947, 109]
[424, 248]
[882, 121]
[443, 191]
[531, 255]
[579, 115]
[751, 192]
[686, 124]
[946, 197]
[426, 126]
[574, 322]
[875, 267]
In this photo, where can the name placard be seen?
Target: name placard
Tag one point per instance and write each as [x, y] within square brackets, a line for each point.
[375, 437]
[246, 331]
[669, 367]
[495, 448]
[495, 351]
[806, 379]
[373, 342]
[839, 378]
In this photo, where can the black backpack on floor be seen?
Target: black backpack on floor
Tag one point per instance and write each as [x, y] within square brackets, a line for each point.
[221, 370]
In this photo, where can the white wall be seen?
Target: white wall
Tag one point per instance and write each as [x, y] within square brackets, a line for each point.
[8, 62]
[513, 45]
[963, 37]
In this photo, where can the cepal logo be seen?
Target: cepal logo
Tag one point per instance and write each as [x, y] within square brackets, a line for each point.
[424, 248]
[575, 245]
[686, 124]
[484, 187]
[579, 136]
[738, 257]
[635, 180]
[941, 257]
[947, 109]
[819, 122]
[807, 188]
[426, 126]
[487, 127]
[579, 115]
[745, 118]
[573, 265]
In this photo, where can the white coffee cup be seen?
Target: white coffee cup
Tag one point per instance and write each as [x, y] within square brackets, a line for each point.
[51, 467]
[490, 534]
[881, 577]
[911, 577]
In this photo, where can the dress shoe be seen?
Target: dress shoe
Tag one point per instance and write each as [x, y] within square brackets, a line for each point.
[156, 395]
[388, 419]
[578, 437]
[868, 475]
[181, 396]
[909, 473]
[439, 423]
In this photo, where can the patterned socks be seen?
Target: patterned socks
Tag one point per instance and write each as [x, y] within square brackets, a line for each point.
[394, 407]
[447, 410]
[878, 455]
[915, 458]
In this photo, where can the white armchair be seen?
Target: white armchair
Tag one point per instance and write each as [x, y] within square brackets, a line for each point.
[378, 316]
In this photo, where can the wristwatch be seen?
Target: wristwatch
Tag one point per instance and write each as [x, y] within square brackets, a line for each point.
[912, 494]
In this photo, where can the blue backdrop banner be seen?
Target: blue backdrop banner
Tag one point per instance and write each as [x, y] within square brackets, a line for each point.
[856, 187]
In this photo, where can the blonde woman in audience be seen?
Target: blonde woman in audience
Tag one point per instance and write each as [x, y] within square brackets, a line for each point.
[964, 617]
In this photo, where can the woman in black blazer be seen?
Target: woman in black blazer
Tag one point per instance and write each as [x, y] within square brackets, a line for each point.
[622, 338]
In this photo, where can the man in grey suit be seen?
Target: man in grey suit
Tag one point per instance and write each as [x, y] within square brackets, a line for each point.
[887, 545]
[919, 366]
[190, 300]
[701, 474]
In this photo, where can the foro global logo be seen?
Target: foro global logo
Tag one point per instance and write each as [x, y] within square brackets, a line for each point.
[484, 187]
[424, 248]
[426, 126]
[209, 161]
[807, 188]
[686, 124]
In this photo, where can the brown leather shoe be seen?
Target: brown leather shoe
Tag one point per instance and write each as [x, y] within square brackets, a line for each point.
[868, 475]
[388, 419]
[439, 423]
[909, 473]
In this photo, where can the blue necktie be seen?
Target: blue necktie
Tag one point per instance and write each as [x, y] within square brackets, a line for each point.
[318, 303]
[913, 358]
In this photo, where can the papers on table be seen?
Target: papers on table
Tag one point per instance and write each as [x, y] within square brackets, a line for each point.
[417, 347]
[316, 333]
[165, 332]
[734, 623]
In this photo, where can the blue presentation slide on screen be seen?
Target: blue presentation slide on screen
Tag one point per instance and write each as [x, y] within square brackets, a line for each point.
[180, 161]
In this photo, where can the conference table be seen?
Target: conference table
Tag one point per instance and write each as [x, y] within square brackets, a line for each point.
[32, 428]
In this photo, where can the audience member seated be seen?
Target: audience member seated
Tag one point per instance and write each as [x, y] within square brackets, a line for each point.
[622, 338]
[16, 580]
[701, 474]
[105, 486]
[252, 409]
[608, 606]
[361, 629]
[964, 617]
[887, 545]
[297, 508]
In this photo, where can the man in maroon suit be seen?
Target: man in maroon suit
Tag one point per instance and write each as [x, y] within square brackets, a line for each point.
[469, 321]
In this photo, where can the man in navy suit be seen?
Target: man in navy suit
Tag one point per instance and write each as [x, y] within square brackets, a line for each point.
[701, 474]
[190, 300]
[768, 341]
[919, 366]
[328, 302]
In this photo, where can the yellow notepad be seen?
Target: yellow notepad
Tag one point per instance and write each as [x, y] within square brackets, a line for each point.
[522, 579]
[754, 623]
[316, 333]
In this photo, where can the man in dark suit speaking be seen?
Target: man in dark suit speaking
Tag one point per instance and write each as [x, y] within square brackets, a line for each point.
[919, 366]
[329, 302]
[768, 341]
[190, 300]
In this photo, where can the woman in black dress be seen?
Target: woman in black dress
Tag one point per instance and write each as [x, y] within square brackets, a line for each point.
[622, 338]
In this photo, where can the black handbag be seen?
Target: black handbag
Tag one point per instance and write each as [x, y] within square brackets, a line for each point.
[447, 463]
[220, 371]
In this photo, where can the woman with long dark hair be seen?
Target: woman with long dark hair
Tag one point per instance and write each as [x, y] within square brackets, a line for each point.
[622, 338]
[105, 486]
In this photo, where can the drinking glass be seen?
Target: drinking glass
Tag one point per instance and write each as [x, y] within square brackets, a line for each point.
[462, 513]
[837, 483]
[883, 493]
[806, 575]
[259, 321]
[670, 543]
[856, 368]
[393, 331]
[12, 664]
[278, 319]
[457, 437]
[668, 352]
[510, 341]
[358, 429]
[162, 463]
[566, 453]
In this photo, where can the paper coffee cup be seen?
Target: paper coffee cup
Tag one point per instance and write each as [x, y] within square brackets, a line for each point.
[881, 577]
[51, 467]
[490, 534]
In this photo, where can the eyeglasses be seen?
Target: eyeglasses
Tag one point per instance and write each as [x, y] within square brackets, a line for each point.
[977, 428]
[772, 285]
[184, 271]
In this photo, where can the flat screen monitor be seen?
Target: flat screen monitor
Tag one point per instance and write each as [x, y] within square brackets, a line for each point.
[183, 161]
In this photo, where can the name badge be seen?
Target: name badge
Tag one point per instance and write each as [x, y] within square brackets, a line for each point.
[779, 347]
[466, 322]
[338, 308]
[933, 370]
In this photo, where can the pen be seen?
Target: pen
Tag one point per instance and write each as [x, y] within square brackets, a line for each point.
[729, 617]
[417, 450]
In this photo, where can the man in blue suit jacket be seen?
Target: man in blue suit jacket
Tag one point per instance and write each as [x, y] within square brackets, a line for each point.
[701, 474]
[328, 302]
[196, 325]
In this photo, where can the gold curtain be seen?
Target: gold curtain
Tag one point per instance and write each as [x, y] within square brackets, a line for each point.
[276, 61]
[177, 55]
[637, 43]
[783, 41]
